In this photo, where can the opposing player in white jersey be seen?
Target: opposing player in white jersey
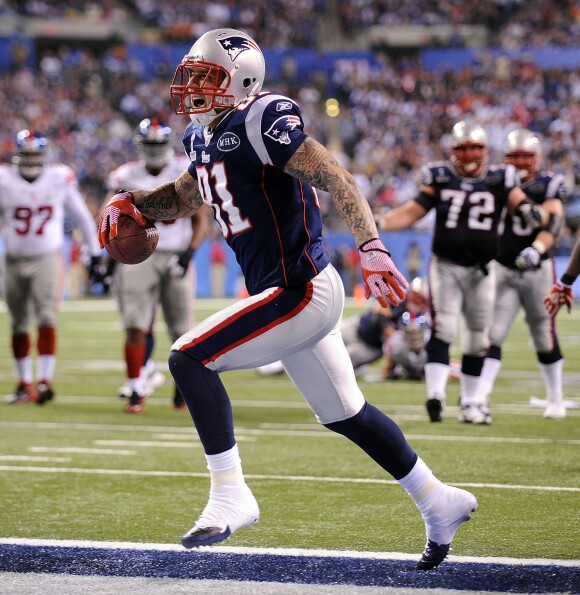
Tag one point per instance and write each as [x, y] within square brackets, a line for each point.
[167, 277]
[254, 165]
[35, 196]
[525, 272]
[468, 196]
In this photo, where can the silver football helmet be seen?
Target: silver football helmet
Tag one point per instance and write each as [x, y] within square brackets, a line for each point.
[523, 150]
[30, 154]
[417, 299]
[468, 148]
[153, 142]
[222, 68]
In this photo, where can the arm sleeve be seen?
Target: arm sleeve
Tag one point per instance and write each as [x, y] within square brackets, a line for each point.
[79, 212]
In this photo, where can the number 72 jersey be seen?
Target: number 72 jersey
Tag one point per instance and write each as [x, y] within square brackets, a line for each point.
[468, 210]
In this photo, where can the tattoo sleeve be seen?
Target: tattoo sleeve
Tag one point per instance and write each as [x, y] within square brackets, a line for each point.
[180, 198]
[315, 165]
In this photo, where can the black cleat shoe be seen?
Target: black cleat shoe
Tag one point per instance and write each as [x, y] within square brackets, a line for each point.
[44, 392]
[135, 403]
[433, 555]
[434, 408]
[197, 537]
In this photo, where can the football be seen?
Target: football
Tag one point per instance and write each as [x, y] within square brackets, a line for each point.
[133, 243]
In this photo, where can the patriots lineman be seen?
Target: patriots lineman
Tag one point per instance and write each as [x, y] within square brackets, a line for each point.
[166, 277]
[525, 272]
[468, 196]
[253, 164]
[34, 198]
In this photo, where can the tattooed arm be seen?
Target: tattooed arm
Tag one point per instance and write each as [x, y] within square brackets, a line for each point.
[314, 164]
[180, 198]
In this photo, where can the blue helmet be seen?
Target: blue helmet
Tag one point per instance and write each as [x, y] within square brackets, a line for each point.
[30, 153]
[153, 140]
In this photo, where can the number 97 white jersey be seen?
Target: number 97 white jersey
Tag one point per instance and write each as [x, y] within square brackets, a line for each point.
[33, 212]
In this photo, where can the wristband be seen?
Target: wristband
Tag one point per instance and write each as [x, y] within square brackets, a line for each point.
[568, 279]
[539, 246]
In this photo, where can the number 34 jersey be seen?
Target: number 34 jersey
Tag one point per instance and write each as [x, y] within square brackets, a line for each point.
[468, 210]
[271, 220]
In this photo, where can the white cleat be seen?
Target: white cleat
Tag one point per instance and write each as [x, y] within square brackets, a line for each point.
[555, 411]
[474, 414]
[229, 508]
[154, 381]
[449, 508]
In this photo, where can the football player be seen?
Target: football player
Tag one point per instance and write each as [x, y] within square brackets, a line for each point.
[468, 196]
[404, 348]
[252, 162]
[166, 277]
[35, 196]
[525, 272]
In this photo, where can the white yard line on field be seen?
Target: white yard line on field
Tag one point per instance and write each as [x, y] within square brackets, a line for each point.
[170, 547]
[267, 429]
[76, 450]
[290, 478]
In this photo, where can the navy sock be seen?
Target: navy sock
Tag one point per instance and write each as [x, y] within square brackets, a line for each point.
[149, 346]
[380, 437]
[207, 401]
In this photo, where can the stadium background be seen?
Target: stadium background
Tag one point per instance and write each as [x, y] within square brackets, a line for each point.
[379, 82]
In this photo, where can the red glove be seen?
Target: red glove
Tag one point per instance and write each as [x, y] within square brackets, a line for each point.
[120, 204]
[381, 277]
[559, 295]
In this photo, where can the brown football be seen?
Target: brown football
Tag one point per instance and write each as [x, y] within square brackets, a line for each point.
[133, 243]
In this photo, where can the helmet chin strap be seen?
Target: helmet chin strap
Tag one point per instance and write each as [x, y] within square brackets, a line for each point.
[470, 167]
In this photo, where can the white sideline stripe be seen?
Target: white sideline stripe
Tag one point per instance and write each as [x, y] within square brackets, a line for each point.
[316, 431]
[253, 551]
[75, 450]
[29, 459]
[365, 480]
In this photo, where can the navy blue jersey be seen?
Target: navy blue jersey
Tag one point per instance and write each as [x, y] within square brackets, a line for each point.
[516, 235]
[468, 210]
[271, 220]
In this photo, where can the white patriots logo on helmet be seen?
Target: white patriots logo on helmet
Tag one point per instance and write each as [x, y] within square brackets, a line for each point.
[282, 127]
[234, 46]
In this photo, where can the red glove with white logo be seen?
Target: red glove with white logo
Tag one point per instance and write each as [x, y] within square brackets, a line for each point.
[559, 295]
[381, 277]
[119, 204]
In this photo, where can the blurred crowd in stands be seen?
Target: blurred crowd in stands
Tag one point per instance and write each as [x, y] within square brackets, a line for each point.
[391, 119]
[511, 23]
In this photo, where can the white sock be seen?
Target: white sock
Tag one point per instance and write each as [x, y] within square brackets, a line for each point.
[491, 368]
[23, 367]
[552, 374]
[225, 468]
[420, 483]
[46, 365]
[436, 376]
[469, 388]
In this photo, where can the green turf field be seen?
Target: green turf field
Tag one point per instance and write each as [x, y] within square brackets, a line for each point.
[79, 468]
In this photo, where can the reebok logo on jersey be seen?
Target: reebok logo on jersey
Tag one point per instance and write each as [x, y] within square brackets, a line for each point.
[282, 127]
[235, 45]
[283, 106]
[228, 142]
